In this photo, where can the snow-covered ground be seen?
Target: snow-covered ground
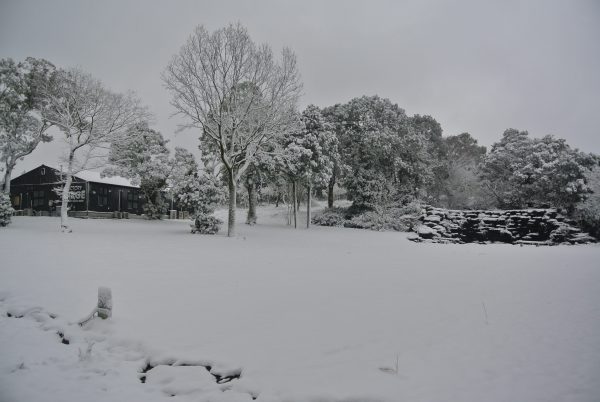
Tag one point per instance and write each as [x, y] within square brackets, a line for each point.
[325, 314]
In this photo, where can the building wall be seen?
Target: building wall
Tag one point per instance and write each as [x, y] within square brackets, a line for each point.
[36, 190]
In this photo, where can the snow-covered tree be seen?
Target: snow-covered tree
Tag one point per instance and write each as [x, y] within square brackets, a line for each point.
[262, 172]
[184, 167]
[90, 118]
[385, 157]
[199, 191]
[588, 211]
[459, 184]
[520, 171]
[6, 209]
[309, 154]
[21, 126]
[430, 131]
[336, 117]
[236, 93]
[142, 156]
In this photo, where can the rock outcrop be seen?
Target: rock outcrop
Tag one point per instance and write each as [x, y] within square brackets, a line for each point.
[526, 226]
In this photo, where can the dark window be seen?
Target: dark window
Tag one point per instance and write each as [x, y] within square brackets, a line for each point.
[132, 200]
[39, 198]
[102, 196]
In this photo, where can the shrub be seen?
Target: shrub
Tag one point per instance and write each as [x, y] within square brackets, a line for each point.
[206, 224]
[399, 218]
[587, 215]
[330, 217]
[6, 210]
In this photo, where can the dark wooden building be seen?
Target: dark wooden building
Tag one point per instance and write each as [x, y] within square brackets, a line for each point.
[35, 193]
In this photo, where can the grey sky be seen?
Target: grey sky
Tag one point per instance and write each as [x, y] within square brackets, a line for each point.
[475, 66]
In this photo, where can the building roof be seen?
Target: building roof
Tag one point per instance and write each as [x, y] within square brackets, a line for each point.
[89, 176]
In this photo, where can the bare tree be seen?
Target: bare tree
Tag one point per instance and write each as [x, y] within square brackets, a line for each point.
[236, 93]
[90, 118]
[21, 129]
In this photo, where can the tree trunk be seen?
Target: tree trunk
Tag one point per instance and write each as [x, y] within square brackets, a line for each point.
[308, 206]
[157, 202]
[64, 208]
[251, 218]
[295, 203]
[288, 205]
[7, 174]
[330, 192]
[232, 205]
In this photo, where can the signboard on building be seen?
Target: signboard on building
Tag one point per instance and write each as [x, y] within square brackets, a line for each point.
[77, 193]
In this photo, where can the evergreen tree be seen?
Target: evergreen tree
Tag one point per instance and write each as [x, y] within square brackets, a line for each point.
[198, 191]
[460, 186]
[384, 153]
[309, 154]
[523, 172]
[142, 156]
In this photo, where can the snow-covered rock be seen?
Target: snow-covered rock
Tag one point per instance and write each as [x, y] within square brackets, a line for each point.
[530, 226]
[426, 232]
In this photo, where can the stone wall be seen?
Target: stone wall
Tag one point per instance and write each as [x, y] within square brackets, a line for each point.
[528, 226]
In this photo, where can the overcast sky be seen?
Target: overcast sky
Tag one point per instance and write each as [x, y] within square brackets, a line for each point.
[475, 66]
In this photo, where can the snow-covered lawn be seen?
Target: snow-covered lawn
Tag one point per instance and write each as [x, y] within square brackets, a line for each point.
[325, 314]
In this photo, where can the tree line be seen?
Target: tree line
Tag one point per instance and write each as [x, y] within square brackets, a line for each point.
[242, 99]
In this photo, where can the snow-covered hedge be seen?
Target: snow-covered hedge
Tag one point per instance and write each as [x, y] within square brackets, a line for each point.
[6, 209]
[398, 218]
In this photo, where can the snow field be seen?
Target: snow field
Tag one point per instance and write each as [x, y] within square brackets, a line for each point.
[302, 315]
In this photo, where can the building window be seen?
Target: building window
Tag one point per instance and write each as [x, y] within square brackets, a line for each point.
[102, 196]
[132, 200]
[39, 199]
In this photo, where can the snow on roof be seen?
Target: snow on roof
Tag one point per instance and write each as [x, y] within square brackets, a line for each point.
[89, 175]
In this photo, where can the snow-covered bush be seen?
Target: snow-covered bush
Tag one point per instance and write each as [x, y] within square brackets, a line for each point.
[588, 216]
[6, 210]
[383, 219]
[197, 191]
[587, 213]
[206, 224]
[330, 217]
[202, 194]
[399, 218]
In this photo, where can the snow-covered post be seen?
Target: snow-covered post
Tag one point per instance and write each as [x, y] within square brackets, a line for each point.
[105, 304]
